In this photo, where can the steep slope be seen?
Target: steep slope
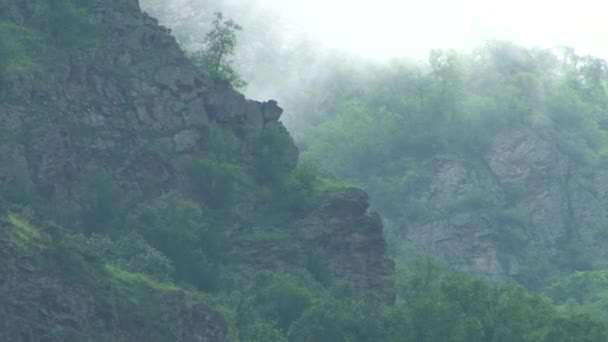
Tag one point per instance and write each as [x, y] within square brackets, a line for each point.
[107, 127]
[526, 201]
[494, 161]
[53, 291]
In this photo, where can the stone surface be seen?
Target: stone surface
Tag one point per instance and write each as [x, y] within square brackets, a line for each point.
[529, 187]
[133, 104]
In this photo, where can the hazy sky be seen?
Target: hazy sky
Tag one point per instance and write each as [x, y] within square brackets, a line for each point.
[398, 28]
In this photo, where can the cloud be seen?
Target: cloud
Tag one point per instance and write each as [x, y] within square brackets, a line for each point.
[396, 28]
[288, 48]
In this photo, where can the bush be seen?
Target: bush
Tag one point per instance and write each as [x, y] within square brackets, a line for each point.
[275, 149]
[180, 229]
[264, 331]
[130, 253]
[348, 320]
[213, 182]
[100, 200]
[279, 298]
[283, 299]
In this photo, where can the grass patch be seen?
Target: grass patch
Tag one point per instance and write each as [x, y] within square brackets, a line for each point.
[22, 233]
[130, 281]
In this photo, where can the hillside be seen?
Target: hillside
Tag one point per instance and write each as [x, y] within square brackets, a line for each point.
[142, 198]
[493, 161]
[107, 128]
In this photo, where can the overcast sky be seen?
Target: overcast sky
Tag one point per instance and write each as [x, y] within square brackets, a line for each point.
[406, 28]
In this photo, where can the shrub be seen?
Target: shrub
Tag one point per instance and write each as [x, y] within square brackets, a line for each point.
[264, 331]
[179, 228]
[279, 298]
[214, 182]
[100, 200]
[283, 299]
[275, 148]
[130, 253]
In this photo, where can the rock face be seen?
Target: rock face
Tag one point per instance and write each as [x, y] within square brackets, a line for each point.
[347, 237]
[351, 238]
[129, 102]
[526, 201]
[37, 305]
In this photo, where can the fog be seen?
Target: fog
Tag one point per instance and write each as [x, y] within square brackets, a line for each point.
[396, 28]
[288, 48]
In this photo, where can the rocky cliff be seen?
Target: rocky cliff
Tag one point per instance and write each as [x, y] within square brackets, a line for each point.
[100, 109]
[525, 206]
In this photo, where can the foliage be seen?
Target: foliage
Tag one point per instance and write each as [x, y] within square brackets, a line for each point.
[180, 229]
[100, 200]
[387, 125]
[219, 44]
[130, 253]
[274, 151]
[214, 182]
[432, 304]
[582, 293]
[390, 129]
[264, 331]
[348, 320]
[129, 301]
[577, 328]
[383, 133]
[280, 298]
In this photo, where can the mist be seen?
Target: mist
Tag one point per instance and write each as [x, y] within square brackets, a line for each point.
[289, 49]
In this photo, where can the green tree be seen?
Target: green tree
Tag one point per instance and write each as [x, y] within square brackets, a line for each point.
[179, 228]
[265, 331]
[219, 46]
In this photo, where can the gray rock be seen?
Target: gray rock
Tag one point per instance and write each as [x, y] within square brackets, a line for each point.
[186, 140]
[271, 110]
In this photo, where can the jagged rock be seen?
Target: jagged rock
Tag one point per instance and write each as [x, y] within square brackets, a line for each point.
[133, 105]
[351, 237]
[346, 202]
[271, 110]
[255, 116]
[527, 189]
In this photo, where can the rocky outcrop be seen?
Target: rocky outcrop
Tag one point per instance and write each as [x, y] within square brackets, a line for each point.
[37, 305]
[346, 238]
[526, 200]
[351, 237]
[131, 102]
[128, 102]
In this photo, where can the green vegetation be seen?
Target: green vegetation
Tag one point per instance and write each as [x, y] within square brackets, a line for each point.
[582, 293]
[390, 128]
[180, 229]
[132, 301]
[385, 126]
[22, 233]
[219, 44]
[133, 252]
[130, 253]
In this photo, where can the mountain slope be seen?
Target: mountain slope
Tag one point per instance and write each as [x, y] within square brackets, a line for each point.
[108, 130]
[494, 161]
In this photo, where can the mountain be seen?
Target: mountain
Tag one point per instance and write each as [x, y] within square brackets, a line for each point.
[132, 181]
[142, 198]
[492, 160]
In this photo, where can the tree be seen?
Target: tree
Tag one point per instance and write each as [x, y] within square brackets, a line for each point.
[219, 46]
